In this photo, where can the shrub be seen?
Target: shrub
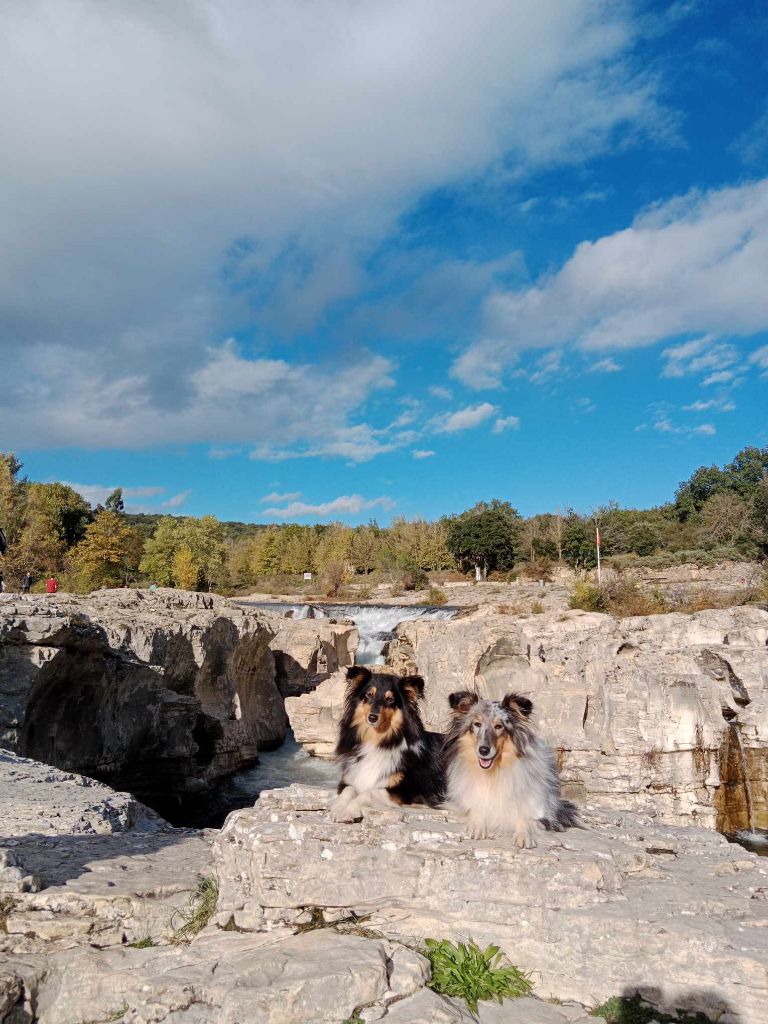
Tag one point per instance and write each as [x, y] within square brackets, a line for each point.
[414, 579]
[335, 577]
[539, 568]
[436, 597]
[474, 974]
[587, 597]
[537, 608]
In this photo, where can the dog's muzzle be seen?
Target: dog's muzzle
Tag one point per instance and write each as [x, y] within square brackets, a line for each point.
[485, 757]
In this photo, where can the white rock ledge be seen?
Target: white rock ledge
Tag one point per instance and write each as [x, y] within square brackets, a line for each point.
[626, 904]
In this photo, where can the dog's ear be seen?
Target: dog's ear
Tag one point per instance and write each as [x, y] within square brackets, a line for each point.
[462, 701]
[413, 687]
[514, 702]
[357, 675]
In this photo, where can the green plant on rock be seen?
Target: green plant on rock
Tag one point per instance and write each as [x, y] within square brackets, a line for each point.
[473, 974]
[144, 943]
[189, 920]
[587, 597]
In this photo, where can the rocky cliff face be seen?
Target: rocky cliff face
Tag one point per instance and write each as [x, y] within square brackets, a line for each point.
[157, 693]
[665, 714]
[309, 651]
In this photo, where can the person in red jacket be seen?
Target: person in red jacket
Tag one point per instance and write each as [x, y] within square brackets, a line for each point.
[51, 585]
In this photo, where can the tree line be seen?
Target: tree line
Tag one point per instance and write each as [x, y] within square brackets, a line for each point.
[50, 529]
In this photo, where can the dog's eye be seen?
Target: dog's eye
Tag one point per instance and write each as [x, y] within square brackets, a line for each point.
[498, 726]
[476, 725]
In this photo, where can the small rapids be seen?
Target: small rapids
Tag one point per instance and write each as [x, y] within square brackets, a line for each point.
[375, 622]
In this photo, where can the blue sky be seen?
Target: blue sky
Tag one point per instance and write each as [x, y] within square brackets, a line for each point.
[286, 262]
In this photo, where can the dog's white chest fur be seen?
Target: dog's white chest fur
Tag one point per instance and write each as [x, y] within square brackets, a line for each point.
[373, 767]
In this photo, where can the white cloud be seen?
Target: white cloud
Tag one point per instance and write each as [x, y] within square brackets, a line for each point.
[232, 161]
[275, 498]
[440, 392]
[585, 405]
[223, 453]
[546, 367]
[700, 355]
[607, 365]
[506, 423]
[423, 453]
[463, 419]
[285, 410]
[97, 494]
[662, 422]
[715, 404]
[720, 377]
[759, 358]
[177, 500]
[693, 264]
[345, 505]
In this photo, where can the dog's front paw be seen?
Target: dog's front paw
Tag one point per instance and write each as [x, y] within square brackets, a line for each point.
[523, 838]
[345, 811]
[478, 830]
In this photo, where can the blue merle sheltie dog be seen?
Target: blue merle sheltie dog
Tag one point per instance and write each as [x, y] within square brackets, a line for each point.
[499, 772]
[387, 757]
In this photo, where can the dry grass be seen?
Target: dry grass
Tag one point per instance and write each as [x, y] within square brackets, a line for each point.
[187, 922]
[624, 597]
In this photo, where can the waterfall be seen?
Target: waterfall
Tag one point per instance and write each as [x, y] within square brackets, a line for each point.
[375, 622]
[736, 727]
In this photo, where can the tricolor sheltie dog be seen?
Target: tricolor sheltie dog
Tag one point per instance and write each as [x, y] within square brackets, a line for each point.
[387, 757]
[499, 772]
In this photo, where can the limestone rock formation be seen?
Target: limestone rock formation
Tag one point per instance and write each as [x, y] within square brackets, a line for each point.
[156, 693]
[80, 863]
[315, 716]
[677, 913]
[664, 714]
[309, 651]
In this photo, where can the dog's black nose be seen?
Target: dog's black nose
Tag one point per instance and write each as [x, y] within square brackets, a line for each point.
[373, 719]
[484, 751]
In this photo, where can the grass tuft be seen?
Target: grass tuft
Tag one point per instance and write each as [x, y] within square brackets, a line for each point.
[144, 943]
[198, 912]
[474, 974]
[436, 597]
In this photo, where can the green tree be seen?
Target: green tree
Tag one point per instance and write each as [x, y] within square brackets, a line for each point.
[486, 536]
[643, 538]
[578, 541]
[333, 557]
[205, 540]
[365, 546]
[108, 555]
[114, 502]
[758, 516]
[157, 560]
[186, 572]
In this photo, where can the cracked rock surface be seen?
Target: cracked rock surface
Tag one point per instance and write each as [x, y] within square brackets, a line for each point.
[625, 904]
